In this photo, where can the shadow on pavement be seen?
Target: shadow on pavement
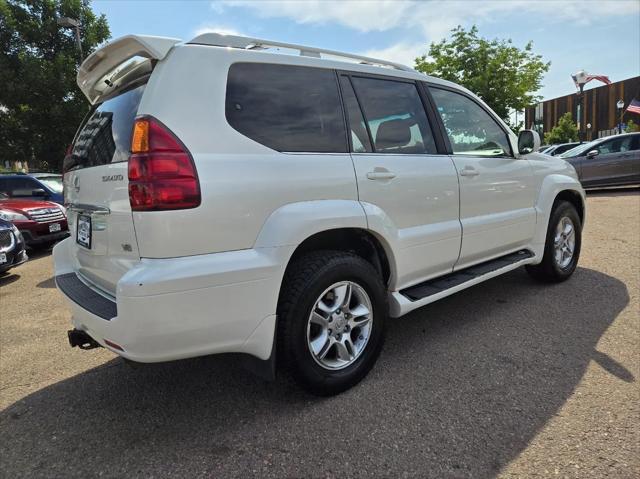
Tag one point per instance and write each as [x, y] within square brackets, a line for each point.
[47, 283]
[8, 277]
[460, 390]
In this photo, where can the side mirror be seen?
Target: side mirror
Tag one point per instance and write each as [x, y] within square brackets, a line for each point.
[39, 192]
[593, 154]
[528, 141]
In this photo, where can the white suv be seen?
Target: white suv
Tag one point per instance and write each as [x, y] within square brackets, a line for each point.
[224, 197]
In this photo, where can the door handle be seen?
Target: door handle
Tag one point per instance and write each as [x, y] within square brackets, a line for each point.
[469, 172]
[380, 175]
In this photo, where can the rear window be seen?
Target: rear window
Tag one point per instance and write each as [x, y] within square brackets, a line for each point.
[286, 107]
[105, 136]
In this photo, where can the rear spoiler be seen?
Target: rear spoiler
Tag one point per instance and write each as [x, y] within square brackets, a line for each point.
[105, 70]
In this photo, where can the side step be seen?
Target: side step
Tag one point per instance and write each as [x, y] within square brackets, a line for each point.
[468, 275]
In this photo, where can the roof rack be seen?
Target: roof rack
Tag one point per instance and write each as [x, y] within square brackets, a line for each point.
[248, 43]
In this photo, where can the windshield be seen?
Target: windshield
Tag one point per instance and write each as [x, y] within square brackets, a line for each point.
[580, 149]
[54, 183]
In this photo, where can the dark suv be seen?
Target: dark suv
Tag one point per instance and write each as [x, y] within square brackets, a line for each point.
[12, 247]
[34, 186]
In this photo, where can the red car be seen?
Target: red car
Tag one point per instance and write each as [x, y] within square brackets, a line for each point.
[41, 223]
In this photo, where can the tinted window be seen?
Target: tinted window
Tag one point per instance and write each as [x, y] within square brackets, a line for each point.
[471, 130]
[359, 137]
[395, 115]
[105, 137]
[617, 145]
[285, 107]
[20, 187]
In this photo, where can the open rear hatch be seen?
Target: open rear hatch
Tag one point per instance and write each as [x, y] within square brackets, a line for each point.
[96, 178]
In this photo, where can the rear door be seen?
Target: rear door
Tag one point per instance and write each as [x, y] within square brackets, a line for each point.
[96, 191]
[402, 176]
[497, 191]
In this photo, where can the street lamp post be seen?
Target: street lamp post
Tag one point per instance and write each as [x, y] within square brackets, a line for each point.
[620, 106]
[67, 22]
[580, 79]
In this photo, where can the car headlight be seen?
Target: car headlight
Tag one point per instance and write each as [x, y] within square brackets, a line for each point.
[9, 215]
[63, 209]
[16, 233]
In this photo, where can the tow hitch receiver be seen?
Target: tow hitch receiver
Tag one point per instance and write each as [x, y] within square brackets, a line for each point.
[81, 339]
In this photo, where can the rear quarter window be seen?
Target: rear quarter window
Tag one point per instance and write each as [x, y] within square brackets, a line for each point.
[285, 107]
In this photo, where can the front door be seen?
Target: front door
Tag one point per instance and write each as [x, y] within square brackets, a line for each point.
[497, 192]
[613, 164]
[407, 189]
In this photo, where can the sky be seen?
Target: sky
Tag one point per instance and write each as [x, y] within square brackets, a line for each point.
[598, 36]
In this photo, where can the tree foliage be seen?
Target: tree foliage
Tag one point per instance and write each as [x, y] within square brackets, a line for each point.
[632, 127]
[503, 75]
[565, 131]
[41, 105]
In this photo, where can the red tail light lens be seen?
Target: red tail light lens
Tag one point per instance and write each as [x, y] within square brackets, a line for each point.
[162, 175]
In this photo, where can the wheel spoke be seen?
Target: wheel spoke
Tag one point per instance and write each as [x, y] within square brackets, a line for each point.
[325, 347]
[359, 311]
[320, 320]
[358, 323]
[343, 352]
[342, 296]
[326, 309]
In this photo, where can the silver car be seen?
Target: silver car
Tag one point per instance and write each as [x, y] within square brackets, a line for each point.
[610, 161]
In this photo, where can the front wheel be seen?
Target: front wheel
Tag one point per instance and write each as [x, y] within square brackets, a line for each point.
[562, 246]
[331, 319]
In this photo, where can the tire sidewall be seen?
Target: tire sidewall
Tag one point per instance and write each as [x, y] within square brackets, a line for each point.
[563, 209]
[310, 371]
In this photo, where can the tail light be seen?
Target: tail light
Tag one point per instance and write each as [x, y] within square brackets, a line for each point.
[162, 175]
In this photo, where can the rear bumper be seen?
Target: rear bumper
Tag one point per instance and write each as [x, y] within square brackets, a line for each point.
[167, 309]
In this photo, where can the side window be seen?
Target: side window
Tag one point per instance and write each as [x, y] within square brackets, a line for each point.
[21, 187]
[618, 145]
[359, 136]
[395, 116]
[286, 107]
[471, 130]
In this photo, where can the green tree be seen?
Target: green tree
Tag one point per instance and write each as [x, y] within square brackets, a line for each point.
[40, 103]
[503, 75]
[564, 132]
[632, 127]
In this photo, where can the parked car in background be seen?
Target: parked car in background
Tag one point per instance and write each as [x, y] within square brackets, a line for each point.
[555, 150]
[33, 186]
[610, 161]
[12, 247]
[42, 223]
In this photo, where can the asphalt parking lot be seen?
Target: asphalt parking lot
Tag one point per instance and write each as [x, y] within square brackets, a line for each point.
[509, 379]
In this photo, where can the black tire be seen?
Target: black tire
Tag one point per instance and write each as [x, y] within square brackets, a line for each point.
[549, 270]
[304, 283]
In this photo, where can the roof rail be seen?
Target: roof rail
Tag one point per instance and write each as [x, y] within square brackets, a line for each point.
[248, 43]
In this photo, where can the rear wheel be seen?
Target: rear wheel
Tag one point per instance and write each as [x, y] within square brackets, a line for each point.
[331, 319]
[562, 246]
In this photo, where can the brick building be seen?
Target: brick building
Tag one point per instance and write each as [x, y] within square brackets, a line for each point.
[602, 114]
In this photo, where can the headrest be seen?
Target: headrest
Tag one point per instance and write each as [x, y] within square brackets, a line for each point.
[392, 134]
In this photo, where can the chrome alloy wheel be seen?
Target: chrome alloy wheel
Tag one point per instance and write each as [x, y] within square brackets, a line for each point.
[564, 242]
[339, 325]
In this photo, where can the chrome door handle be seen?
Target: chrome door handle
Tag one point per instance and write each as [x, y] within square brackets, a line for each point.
[381, 175]
[469, 172]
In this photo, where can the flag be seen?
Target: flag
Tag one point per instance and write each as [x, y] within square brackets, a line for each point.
[587, 78]
[634, 106]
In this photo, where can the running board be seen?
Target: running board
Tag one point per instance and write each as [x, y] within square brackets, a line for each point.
[432, 290]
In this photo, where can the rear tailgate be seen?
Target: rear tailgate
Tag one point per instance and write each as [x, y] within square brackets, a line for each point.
[104, 245]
